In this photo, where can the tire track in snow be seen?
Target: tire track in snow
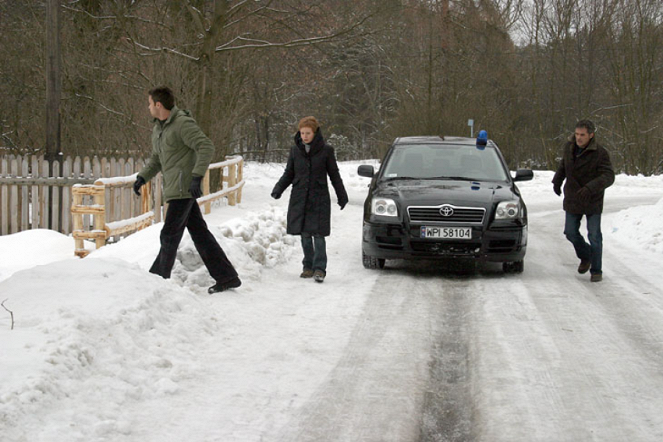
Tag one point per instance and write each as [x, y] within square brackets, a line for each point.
[375, 391]
[448, 413]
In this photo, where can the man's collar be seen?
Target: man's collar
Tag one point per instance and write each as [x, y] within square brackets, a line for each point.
[168, 119]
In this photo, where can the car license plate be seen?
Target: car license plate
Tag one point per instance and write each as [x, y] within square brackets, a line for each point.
[446, 232]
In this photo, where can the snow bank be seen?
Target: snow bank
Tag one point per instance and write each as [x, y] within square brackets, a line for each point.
[639, 226]
[112, 335]
[31, 248]
[104, 332]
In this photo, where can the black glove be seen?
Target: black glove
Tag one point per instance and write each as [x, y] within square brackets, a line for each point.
[140, 181]
[194, 188]
[342, 203]
[276, 195]
[584, 194]
[557, 189]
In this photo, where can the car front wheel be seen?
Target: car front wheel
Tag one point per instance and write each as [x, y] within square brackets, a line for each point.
[371, 262]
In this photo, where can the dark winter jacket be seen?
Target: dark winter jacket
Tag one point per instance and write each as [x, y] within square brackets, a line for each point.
[180, 149]
[591, 169]
[309, 209]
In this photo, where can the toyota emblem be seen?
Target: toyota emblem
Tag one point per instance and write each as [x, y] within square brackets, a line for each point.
[446, 211]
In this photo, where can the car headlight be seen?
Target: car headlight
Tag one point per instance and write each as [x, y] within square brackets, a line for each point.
[384, 207]
[508, 210]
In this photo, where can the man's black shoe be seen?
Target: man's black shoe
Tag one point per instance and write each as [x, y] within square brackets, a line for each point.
[584, 265]
[218, 287]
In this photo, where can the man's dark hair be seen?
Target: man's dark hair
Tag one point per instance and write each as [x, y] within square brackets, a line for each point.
[164, 95]
[586, 124]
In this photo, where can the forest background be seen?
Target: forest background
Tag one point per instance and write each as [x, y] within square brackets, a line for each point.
[370, 70]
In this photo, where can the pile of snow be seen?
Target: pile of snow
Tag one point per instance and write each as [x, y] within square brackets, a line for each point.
[114, 330]
[255, 242]
[32, 248]
[639, 226]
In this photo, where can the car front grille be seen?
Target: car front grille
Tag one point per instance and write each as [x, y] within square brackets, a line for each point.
[473, 215]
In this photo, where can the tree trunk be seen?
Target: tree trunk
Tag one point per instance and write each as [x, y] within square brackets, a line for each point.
[53, 80]
[205, 88]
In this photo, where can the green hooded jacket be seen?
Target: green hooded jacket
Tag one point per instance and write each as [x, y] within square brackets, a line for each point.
[180, 150]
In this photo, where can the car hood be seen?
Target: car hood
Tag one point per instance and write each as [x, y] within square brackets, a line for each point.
[437, 192]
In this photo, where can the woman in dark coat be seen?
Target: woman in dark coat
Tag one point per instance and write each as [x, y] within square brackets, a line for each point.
[309, 209]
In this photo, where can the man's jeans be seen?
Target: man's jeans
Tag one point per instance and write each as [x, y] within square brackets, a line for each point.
[584, 251]
[315, 252]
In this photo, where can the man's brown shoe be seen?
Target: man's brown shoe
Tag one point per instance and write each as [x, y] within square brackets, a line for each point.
[584, 265]
[307, 273]
[596, 277]
[319, 276]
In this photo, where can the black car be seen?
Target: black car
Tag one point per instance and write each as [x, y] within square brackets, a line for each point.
[444, 197]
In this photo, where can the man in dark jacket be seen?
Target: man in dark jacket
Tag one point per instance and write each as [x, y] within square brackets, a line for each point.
[309, 208]
[182, 153]
[587, 169]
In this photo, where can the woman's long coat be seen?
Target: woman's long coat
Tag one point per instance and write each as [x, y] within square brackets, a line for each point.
[309, 209]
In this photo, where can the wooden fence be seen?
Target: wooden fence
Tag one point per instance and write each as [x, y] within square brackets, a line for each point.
[37, 195]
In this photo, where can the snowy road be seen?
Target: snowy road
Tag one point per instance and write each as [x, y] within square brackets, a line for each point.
[414, 352]
[463, 354]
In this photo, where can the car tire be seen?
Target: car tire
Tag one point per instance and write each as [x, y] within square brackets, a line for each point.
[513, 267]
[371, 262]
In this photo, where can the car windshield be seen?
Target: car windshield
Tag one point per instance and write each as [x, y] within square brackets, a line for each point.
[444, 161]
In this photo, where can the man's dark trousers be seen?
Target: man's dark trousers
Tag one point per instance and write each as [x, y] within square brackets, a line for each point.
[185, 213]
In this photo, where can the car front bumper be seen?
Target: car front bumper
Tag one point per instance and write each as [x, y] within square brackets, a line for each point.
[504, 243]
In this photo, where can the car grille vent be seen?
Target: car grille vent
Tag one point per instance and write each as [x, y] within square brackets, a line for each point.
[434, 214]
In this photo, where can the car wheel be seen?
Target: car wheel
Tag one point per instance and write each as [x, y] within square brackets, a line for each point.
[371, 262]
[513, 267]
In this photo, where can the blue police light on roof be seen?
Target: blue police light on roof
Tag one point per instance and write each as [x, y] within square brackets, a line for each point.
[482, 139]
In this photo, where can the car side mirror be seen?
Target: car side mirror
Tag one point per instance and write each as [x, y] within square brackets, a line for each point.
[523, 175]
[366, 171]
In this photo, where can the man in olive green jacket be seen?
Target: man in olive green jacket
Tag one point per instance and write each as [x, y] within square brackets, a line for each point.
[182, 153]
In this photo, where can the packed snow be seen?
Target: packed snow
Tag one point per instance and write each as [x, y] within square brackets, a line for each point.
[102, 350]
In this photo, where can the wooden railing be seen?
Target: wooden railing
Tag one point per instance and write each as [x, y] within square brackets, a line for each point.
[101, 231]
[234, 178]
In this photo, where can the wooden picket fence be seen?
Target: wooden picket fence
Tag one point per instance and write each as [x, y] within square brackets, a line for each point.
[37, 195]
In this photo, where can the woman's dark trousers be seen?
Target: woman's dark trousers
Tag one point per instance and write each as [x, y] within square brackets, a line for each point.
[315, 252]
[185, 213]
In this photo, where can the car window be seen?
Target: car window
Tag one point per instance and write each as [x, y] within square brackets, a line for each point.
[444, 161]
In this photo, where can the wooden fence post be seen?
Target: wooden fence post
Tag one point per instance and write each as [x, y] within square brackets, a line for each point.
[77, 219]
[232, 180]
[208, 206]
[240, 178]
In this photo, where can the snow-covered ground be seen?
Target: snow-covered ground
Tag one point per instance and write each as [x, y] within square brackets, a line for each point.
[102, 350]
